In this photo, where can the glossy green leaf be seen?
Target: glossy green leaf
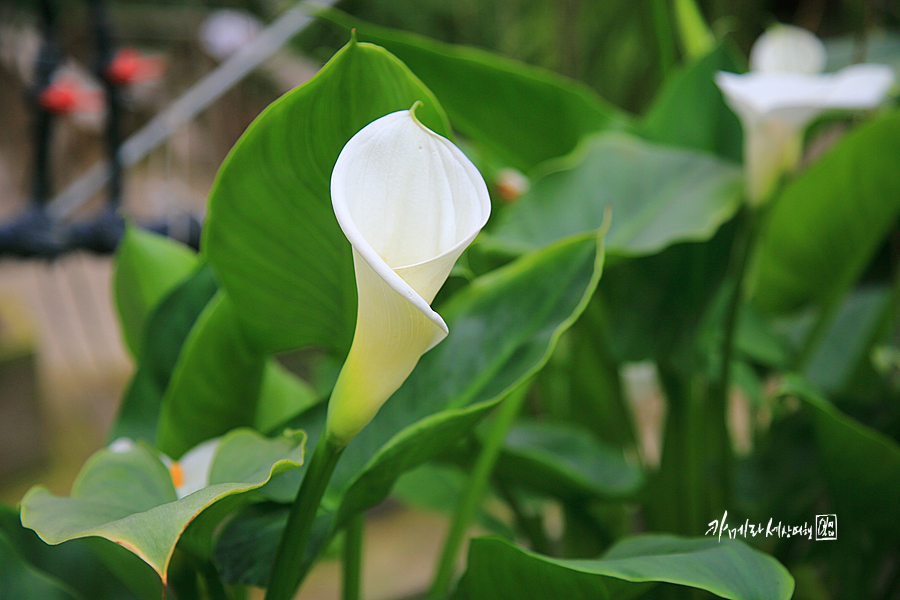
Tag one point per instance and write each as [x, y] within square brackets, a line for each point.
[128, 497]
[729, 569]
[565, 461]
[147, 267]
[167, 329]
[271, 234]
[826, 225]
[689, 110]
[523, 114]
[862, 465]
[658, 196]
[221, 382]
[215, 384]
[503, 328]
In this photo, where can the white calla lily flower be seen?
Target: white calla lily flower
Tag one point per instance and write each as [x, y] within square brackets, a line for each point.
[775, 104]
[409, 202]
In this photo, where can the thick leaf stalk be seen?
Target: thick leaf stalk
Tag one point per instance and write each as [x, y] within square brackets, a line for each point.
[287, 571]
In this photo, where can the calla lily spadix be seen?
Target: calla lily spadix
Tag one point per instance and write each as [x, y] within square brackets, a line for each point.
[409, 202]
[776, 102]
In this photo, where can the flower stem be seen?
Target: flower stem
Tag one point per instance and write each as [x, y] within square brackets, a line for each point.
[286, 570]
[720, 452]
[353, 544]
[475, 489]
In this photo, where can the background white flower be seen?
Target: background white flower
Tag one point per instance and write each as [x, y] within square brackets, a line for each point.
[775, 103]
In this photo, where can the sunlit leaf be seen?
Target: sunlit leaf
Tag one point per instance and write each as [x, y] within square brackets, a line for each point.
[129, 498]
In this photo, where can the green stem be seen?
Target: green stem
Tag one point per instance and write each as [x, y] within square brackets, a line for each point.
[679, 488]
[286, 570]
[353, 544]
[664, 39]
[719, 451]
[475, 489]
[744, 243]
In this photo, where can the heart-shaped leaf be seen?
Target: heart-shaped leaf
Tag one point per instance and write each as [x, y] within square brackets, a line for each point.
[271, 234]
[659, 195]
[128, 497]
[498, 570]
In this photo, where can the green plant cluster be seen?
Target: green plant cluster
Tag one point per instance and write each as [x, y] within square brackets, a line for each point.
[632, 246]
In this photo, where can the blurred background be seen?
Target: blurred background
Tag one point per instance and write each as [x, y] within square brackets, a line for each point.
[62, 362]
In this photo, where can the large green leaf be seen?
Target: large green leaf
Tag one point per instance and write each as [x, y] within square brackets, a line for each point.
[502, 330]
[128, 497]
[271, 234]
[215, 384]
[498, 570]
[164, 336]
[221, 382]
[147, 267]
[826, 225]
[658, 196]
[689, 110]
[523, 114]
[862, 466]
[567, 462]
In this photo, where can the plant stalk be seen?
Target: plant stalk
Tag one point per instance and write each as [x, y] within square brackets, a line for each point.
[720, 451]
[475, 489]
[353, 545]
[286, 570]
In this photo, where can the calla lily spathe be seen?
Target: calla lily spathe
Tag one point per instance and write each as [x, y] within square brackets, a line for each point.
[190, 473]
[409, 202]
[784, 93]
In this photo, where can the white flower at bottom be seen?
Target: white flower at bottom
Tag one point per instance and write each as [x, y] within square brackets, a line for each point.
[409, 202]
[775, 105]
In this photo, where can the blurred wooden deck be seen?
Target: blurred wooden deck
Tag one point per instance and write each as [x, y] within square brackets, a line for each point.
[81, 366]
